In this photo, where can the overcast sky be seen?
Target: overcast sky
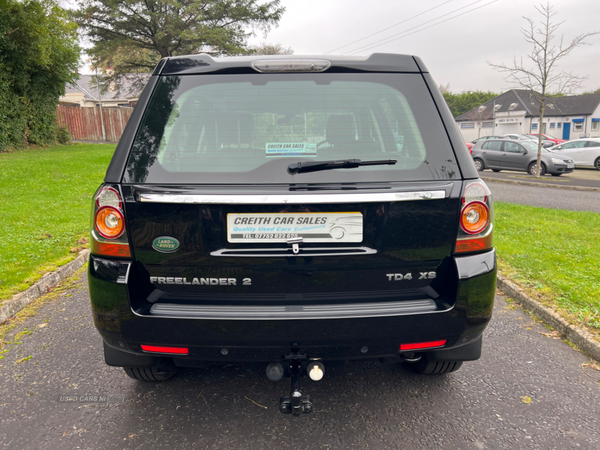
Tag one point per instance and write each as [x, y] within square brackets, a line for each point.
[455, 51]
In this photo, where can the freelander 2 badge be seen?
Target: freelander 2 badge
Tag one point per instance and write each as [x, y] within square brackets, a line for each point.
[165, 244]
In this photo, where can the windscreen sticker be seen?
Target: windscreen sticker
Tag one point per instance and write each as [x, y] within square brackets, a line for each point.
[311, 227]
[291, 149]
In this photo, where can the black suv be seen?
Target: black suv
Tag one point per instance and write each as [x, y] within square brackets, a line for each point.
[295, 212]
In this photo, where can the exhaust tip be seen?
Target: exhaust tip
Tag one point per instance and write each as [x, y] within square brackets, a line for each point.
[410, 357]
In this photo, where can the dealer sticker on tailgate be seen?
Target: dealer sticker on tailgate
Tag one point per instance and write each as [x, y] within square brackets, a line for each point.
[311, 227]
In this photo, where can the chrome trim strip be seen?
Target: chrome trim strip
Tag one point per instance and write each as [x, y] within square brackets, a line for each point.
[288, 253]
[294, 312]
[289, 199]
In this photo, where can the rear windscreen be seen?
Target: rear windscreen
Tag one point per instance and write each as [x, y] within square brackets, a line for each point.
[249, 128]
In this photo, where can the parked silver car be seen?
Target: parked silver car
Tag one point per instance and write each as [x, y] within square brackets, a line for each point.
[511, 154]
[483, 138]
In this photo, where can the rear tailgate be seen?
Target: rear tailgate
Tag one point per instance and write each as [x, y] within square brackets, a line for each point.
[394, 245]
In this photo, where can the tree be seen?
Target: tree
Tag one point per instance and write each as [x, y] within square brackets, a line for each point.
[271, 49]
[39, 54]
[541, 76]
[131, 36]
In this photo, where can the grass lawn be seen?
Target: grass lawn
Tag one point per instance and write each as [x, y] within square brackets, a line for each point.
[45, 201]
[554, 254]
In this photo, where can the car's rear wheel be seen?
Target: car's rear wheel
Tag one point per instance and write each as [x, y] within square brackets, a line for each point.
[428, 367]
[533, 168]
[479, 164]
[149, 373]
[597, 163]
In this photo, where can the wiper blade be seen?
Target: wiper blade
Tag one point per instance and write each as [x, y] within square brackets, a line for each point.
[314, 166]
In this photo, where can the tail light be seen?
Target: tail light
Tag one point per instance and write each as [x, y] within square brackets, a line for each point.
[109, 222]
[476, 216]
[108, 228]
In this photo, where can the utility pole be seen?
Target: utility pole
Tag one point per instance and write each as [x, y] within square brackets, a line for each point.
[100, 105]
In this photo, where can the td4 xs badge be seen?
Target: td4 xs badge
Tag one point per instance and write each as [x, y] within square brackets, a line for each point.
[409, 276]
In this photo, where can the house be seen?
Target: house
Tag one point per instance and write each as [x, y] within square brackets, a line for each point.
[517, 112]
[84, 93]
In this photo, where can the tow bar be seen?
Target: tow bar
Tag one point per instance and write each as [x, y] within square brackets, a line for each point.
[296, 403]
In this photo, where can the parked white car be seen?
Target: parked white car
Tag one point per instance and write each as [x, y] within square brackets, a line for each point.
[529, 137]
[585, 152]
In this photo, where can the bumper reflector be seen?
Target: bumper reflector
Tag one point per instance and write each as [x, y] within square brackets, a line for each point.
[160, 349]
[422, 345]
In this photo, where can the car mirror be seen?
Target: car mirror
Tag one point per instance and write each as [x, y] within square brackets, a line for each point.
[524, 152]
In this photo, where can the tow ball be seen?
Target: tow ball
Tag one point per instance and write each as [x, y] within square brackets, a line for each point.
[296, 403]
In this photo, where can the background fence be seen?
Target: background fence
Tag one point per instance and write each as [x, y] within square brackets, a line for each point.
[84, 123]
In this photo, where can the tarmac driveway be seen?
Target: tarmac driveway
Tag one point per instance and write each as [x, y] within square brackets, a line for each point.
[529, 390]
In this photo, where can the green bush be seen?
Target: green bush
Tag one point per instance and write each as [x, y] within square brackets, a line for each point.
[63, 136]
[39, 54]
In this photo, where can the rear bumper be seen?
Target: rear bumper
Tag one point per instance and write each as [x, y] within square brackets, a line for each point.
[221, 336]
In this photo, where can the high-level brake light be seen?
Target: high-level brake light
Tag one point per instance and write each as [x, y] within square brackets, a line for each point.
[291, 65]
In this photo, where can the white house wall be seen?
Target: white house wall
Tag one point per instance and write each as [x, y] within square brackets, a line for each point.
[595, 115]
[470, 134]
[557, 130]
[524, 125]
[509, 128]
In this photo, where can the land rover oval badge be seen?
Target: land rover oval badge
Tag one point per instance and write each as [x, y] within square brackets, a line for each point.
[165, 244]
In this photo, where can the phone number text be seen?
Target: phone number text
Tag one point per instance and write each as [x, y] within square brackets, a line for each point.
[269, 236]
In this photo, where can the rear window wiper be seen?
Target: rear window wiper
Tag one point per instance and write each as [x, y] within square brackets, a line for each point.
[314, 166]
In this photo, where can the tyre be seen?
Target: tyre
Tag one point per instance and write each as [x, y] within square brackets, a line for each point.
[533, 166]
[597, 163]
[427, 367]
[479, 164]
[148, 373]
[495, 170]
